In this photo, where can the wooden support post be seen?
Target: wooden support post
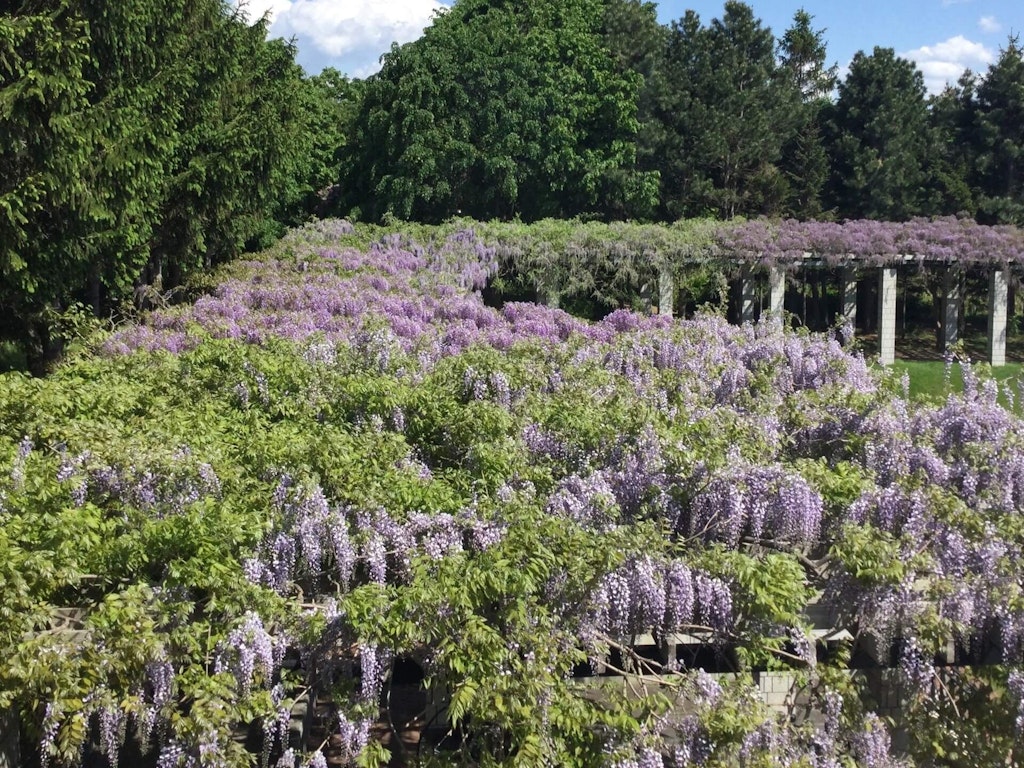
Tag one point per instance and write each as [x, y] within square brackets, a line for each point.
[887, 295]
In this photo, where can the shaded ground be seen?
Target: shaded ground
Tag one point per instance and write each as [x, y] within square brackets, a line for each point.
[920, 345]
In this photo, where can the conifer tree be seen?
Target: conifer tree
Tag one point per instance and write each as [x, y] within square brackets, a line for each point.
[804, 162]
[1000, 115]
[878, 139]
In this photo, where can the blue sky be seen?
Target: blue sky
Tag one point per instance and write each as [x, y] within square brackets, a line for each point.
[941, 36]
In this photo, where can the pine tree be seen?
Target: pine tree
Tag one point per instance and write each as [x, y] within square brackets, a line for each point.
[727, 114]
[878, 132]
[952, 119]
[804, 162]
[1000, 114]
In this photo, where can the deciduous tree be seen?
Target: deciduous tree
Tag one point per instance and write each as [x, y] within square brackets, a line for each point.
[501, 109]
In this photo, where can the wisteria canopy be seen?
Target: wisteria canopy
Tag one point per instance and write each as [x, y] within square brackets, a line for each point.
[341, 474]
[763, 242]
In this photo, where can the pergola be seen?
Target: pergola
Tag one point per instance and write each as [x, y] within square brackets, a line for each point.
[998, 303]
[767, 250]
[764, 250]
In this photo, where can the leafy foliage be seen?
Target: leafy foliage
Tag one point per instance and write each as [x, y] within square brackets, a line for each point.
[342, 463]
[145, 143]
[500, 109]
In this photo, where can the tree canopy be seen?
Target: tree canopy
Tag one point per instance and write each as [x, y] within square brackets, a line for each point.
[878, 128]
[1000, 137]
[500, 109]
[144, 142]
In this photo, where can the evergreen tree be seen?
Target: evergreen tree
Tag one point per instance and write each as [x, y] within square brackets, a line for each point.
[637, 43]
[1000, 115]
[878, 139]
[682, 117]
[952, 119]
[803, 54]
[727, 116]
[804, 162]
[44, 162]
[139, 135]
[235, 142]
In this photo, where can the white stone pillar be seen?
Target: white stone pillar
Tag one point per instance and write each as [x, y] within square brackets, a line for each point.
[666, 291]
[777, 290]
[887, 315]
[997, 295]
[849, 292]
[748, 296]
[950, 308]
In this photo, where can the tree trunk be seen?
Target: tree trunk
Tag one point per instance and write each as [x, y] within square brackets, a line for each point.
[95, 289]
[43, 350]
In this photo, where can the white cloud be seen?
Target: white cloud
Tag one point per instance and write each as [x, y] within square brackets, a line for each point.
[338, 28]
[989, 24]
[944, 62]
[357, 31]
[254, 9]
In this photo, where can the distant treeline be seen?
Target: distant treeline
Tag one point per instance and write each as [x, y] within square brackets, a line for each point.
[560, 108]
[145, 142]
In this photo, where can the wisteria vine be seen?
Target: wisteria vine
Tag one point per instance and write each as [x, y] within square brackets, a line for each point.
[343, 465]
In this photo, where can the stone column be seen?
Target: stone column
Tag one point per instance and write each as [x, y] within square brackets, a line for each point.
[748, 296]
[887, 315]
[997, 295]
[777, 290]
[849, 292]
[666, 292]
[949, 308]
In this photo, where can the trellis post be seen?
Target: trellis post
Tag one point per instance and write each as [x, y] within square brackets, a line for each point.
[950, 308]
[748, 296]
[666, 291]
[849, 293]
[997, 296]
[777, 290]
[887, 315]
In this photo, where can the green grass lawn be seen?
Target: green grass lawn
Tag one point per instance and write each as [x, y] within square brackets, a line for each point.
[928, 379]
